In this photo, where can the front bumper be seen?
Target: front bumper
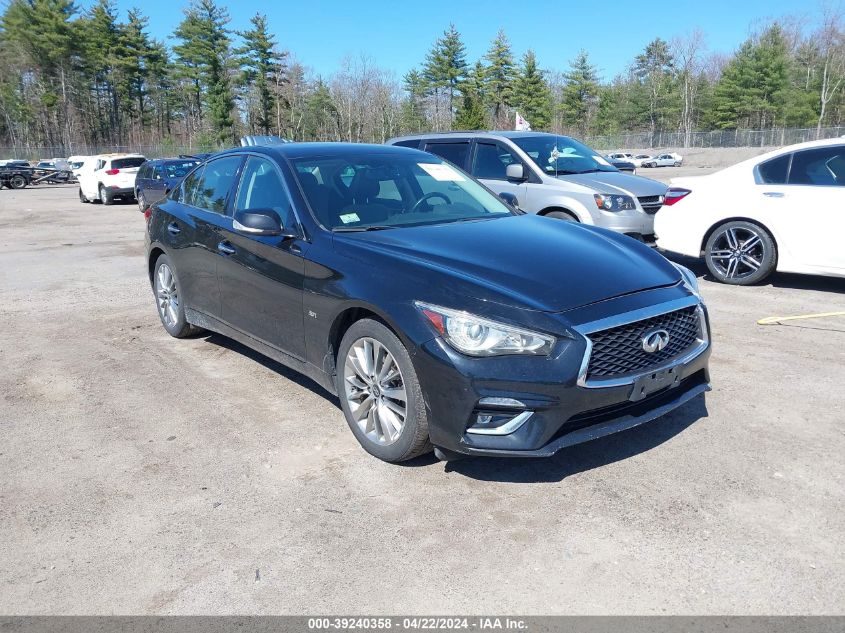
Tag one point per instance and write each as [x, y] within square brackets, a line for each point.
[564, 409]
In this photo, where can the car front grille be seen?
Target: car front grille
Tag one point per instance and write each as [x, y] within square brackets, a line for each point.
[619, 350]
[651, 204]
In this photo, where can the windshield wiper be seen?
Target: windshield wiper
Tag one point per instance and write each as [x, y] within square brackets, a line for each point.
[361, 229]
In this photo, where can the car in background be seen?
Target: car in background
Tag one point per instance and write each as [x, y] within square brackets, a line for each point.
[495, 332]
[622, 164]
[14, 176]
[551, 175]
[159, 176]
[16, 163]
[664, 160]
[111, 177]
[784, 210]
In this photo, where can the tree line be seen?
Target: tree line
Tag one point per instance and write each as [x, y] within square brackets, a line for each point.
[88, 77]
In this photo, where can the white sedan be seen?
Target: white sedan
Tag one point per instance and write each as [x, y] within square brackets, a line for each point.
[663, 160]
[783, 211]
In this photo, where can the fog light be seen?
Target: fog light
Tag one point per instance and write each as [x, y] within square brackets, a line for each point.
[490, 423]
[502, 402]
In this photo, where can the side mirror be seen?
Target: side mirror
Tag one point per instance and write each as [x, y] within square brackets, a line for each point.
[509, 197]
[260, 222]
[515, 171]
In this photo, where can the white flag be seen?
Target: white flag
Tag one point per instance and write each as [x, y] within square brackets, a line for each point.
[521, 124]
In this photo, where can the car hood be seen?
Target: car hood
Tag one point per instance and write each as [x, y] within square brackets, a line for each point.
[617, 182]
[527, 261]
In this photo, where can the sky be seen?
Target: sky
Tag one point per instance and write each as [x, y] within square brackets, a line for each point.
[397, 34]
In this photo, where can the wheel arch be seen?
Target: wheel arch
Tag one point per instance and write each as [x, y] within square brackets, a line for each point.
[553, 208]
[155, 253]
[344, 319]
[739, 218]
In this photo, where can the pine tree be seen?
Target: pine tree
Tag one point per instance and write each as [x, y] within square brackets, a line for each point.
[261, 64]
[654, 68]
[580, 93]
[203, 56]
[413, 111]
[531, 93]
[472, 114]
[500, 75]
[446, 65]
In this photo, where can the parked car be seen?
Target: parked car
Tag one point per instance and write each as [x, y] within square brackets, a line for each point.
[13, 162]
[157, 177]
[779, 211]
[664, 160]
[438, 314]
[551, 175]
[112, 177]
[639, 159]
[622, 164]
[14, 176]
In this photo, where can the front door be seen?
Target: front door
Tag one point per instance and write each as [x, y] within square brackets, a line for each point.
[261, 278]
[489, 164]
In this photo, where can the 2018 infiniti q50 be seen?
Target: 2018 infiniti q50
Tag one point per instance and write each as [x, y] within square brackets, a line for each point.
[440, 316]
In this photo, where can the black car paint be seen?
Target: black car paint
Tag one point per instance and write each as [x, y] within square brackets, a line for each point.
[291, 298]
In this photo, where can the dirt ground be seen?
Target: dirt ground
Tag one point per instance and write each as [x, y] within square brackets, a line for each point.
[698, 161]
[140, 474]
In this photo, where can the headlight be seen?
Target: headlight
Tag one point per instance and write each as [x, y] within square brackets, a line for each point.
[475, 336]
[613, 202]
[689, 278]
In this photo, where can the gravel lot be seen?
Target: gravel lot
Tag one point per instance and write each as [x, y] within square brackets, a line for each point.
[141, 474]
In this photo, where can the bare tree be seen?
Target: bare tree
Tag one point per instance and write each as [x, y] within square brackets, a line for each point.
[829, 39]
[688, 51]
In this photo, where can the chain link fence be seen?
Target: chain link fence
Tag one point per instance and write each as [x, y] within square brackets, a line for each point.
[626, 140]
[716, 138]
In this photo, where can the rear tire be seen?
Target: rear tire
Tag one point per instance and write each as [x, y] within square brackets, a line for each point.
[142, 204]
[371, 363]
[168, 294]
[740, 253]
[105, 198]
[17, 182]
[562, 215]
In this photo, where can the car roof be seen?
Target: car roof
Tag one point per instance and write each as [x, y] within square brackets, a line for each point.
[175, 159]
[509, 134]
[314, 150]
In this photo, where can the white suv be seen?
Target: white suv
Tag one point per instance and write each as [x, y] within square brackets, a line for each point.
[111, 176]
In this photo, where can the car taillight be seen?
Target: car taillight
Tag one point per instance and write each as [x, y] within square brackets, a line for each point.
[148, 212]
[675, 194]
[112, 172]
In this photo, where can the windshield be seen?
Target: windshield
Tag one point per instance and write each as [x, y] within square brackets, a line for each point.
[180, 169]
[561, 155]
[390, 191]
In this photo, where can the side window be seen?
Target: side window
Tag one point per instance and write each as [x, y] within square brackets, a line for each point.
[824, 166]
[157, 173]
[491, 161]
[455, 153]
[217, 181]
[262, 188]
[100, 164]
[773, 172]
[187, 193]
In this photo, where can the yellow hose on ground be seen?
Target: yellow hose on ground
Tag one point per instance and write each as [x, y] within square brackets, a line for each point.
[776, 320]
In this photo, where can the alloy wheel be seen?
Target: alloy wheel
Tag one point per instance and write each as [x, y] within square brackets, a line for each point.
[737, 253]
[375, 391]
[167, 296]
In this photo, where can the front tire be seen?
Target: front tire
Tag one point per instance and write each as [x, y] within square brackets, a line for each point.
[17, 182]
[168, 294]
[562, 215]
[740, 253]
[380, 394]
[142, 203]
[105, 198]
[82, 197]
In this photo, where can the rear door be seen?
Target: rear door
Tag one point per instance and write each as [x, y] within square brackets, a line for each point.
[454, 151]
[198, 211]
[261, 278]
[811, 207]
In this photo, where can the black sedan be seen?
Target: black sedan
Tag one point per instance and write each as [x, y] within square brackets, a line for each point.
[440, 315]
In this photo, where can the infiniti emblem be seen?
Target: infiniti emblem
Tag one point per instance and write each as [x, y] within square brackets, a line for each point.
[655, 340]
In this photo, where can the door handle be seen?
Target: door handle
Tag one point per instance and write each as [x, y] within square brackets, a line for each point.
[773, 194]
[226, 248]
[173, 228]
[296, 249]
